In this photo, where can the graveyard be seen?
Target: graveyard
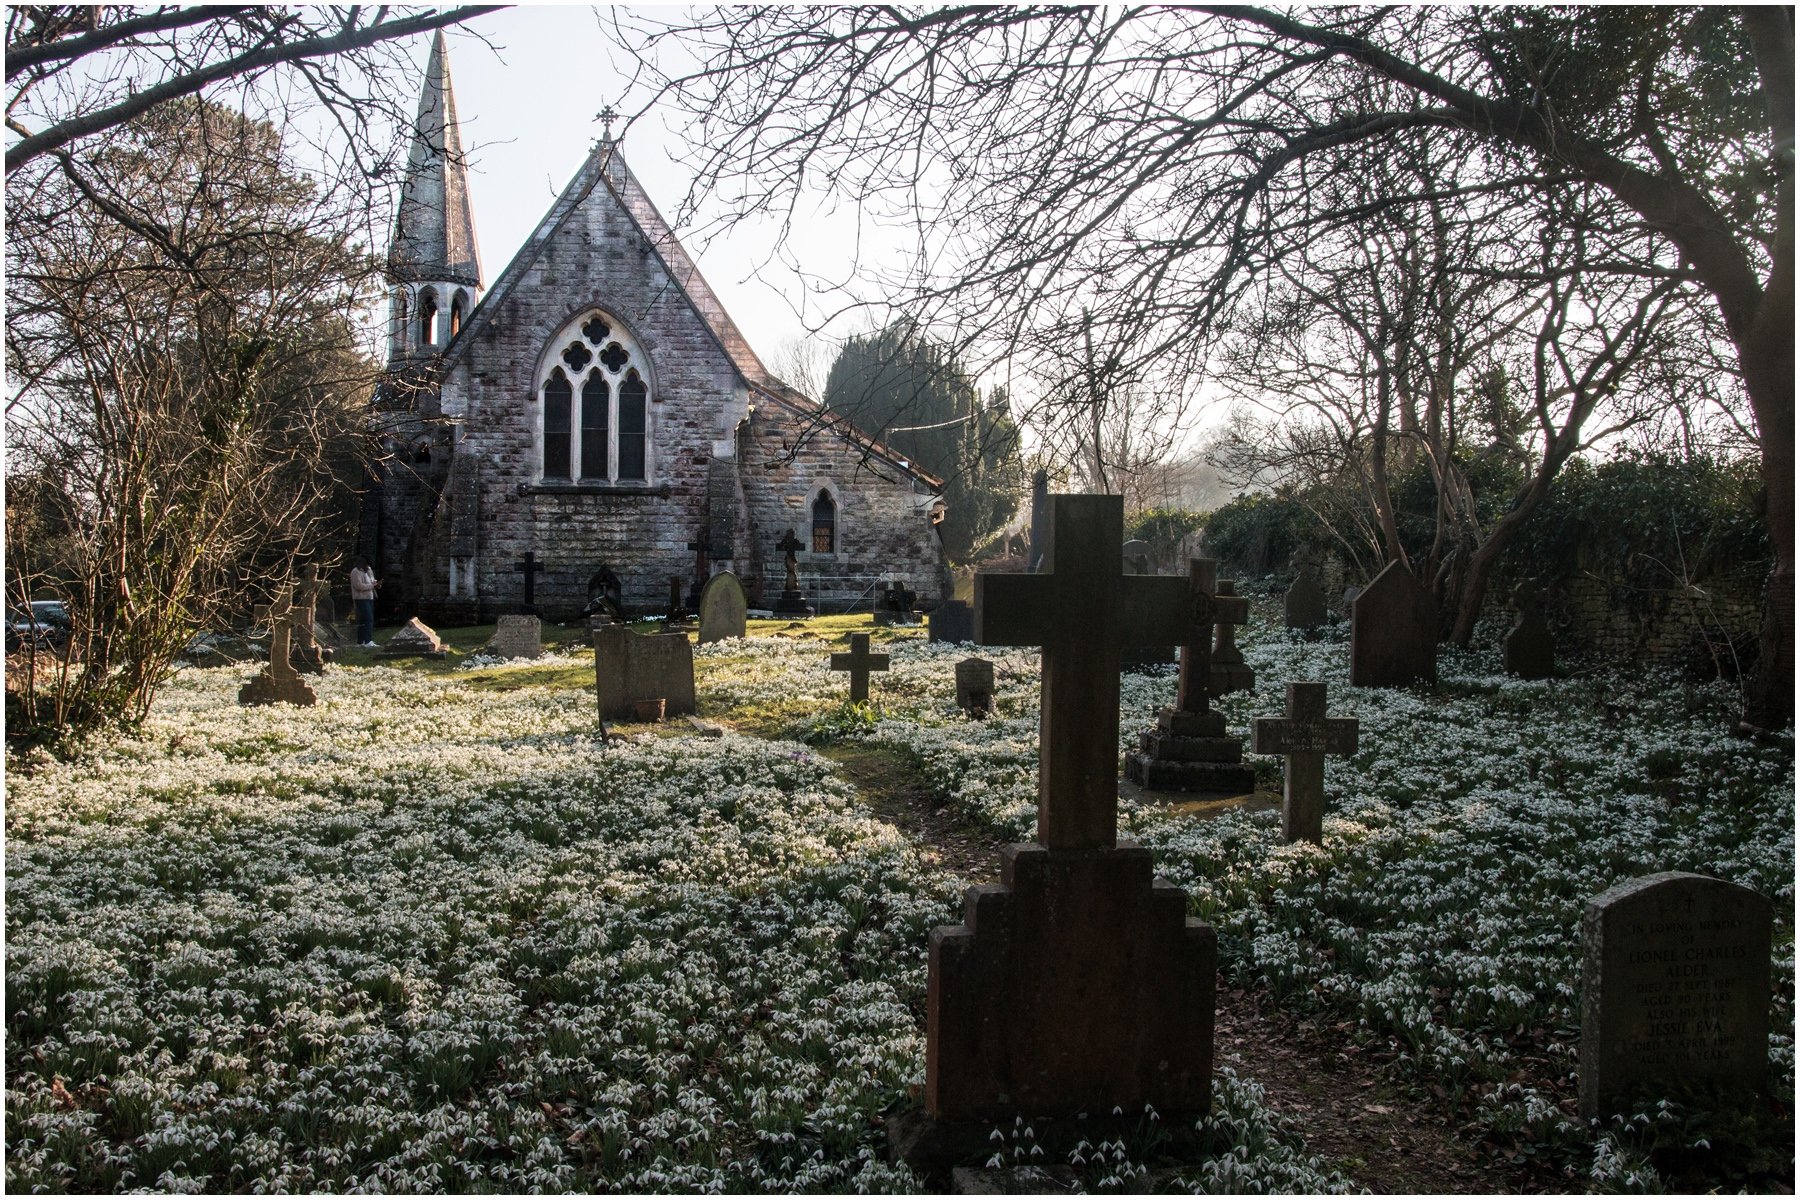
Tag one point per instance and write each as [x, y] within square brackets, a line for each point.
[432, 933]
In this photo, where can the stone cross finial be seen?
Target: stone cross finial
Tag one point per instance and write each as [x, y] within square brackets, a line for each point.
[1305, 735]
[605, 117]
[859, 662]
[1083, 610]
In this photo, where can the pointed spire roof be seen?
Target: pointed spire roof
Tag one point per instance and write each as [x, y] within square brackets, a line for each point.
[434, 231]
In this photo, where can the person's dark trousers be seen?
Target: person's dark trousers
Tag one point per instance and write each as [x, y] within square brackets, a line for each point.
[365, 622]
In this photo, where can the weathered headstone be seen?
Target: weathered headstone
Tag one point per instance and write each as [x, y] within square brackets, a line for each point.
[1305, 735]
[1135, 557]
[859, 662]
[308, 655]
[1675, 990]
[722, 608]
[1078, 984]
[791, 603]
[629, 667]
[279, 683]
[415, 639]
[516, 636]
[1305, 602]
[1530, 651]
[953, 621]
[1188, 751]
[1393, 631]
[975, 688]
[1230, 673]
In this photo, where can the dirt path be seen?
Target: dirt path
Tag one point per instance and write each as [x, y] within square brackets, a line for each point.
[1331, 1091]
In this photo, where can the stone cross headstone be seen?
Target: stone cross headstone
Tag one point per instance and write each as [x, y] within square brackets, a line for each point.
[1189, 751]
[1305, 602]
[629, 667]
[1529, 652]
[975, 688]
[1675, 990]
[678, 613]
[791, 602]
[308, 655]
[529, 567]
[953, 621]
[516, 636]
[1230, 673]
[279, 683]
[722, 608]
[1078, 984]
[859, 662]
[1393, 631]
[1305, 735]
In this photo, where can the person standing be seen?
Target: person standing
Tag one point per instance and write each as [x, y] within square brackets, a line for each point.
[362, 593]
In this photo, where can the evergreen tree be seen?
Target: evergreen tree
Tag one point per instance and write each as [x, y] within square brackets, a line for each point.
[913, 393]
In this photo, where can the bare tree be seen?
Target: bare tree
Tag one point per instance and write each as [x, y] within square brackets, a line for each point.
[185, 423]
[1152, 163]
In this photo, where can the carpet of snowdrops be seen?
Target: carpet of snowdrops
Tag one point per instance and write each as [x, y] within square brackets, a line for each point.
[433, 936]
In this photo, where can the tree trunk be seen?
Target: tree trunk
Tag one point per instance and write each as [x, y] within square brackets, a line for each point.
[1769, 378]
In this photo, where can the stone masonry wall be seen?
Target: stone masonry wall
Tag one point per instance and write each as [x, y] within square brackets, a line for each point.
[596, 258]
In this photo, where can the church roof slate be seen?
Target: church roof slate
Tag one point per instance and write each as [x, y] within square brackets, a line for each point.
[605, 166]
[434, 228]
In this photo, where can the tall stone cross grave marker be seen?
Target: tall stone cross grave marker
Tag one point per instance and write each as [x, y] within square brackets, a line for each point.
[529, 567]
[307, 654]
[859, 662]
[1076, 985]
[1188, 750]
[1305, 735]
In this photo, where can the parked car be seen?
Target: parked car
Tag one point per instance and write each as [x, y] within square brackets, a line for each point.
[44, 624]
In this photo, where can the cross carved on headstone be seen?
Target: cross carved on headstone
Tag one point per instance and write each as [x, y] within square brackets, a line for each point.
[859, 662]
[1209, 608]
[1083, 610]
[529, 567]
[1305, 735]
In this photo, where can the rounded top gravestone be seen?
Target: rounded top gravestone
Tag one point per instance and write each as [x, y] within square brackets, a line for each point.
[723, 607]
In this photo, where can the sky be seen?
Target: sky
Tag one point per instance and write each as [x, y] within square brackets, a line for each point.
[527, 105]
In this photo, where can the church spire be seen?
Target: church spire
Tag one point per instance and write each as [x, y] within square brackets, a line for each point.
[434, 232]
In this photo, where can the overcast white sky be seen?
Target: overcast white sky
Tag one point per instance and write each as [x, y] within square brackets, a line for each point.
[527, 110]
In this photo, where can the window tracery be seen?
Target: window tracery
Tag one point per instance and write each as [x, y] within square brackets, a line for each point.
[608, 437]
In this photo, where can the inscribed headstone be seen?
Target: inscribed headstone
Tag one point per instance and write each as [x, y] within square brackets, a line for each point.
[975, 688]
[953, 621]
[722, 608]
[1675, 990]
[516, 636]
[629, 667]
[1305, 603]
[1305, 735]
[1393, 631]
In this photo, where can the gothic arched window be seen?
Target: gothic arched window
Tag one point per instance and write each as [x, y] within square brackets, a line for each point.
[459, 309]
[610, 436]
[824, 523]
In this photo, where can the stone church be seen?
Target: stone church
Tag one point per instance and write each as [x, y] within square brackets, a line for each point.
[596, 424]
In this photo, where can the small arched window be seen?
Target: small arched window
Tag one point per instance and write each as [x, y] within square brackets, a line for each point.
[824, 524]
[558, 397]
[632, 394]
[596, 398]
[401, 311]
[428, 312]
[459, 309]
